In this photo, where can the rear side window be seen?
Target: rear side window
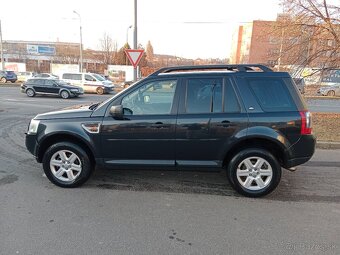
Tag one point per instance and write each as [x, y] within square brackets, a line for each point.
[272, 94]
[76, 77]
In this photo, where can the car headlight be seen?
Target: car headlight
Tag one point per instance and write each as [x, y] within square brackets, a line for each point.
[33, 127]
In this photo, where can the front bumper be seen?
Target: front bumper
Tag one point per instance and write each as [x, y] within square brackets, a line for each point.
[32, 144]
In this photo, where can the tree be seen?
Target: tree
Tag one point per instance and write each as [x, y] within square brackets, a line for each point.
[108, 49]
[149, 52]
[309, 34]
[121, 58]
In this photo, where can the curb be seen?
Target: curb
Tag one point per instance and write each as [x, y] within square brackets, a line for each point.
[328, 145]
[321, 97]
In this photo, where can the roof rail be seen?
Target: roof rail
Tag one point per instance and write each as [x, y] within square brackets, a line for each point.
[239, 68]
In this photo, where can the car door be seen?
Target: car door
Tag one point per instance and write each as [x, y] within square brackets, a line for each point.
[39, 85]
[209, 118]
[146, 135]
[51, 87]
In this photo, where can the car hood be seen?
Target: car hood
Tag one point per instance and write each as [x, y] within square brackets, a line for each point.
[107, 83]
[78, 111]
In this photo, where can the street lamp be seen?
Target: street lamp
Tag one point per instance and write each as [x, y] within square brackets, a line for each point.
[81, 42]
[127, 34]
[1, 51]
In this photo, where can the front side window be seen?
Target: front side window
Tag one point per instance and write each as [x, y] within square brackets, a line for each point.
[89, 78]
[152, 98]
[49, 83]
[204, 95]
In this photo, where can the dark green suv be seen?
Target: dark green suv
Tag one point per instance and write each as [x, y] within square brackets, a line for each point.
[245, 119]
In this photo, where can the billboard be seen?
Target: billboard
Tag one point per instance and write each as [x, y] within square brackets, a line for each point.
[40, 49]
[59, 69]
[16, 67]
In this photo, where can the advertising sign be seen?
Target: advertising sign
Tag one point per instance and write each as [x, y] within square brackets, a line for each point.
[40, 49]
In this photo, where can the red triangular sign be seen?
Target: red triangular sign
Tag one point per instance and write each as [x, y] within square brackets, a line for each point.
[134, 56]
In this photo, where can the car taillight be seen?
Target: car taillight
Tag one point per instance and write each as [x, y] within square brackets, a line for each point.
[306, 123]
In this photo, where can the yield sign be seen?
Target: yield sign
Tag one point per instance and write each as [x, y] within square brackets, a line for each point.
[134, 56]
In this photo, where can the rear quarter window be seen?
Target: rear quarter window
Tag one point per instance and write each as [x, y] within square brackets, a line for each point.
[272, 94]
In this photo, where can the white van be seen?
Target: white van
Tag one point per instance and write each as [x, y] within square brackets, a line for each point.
[90, 82]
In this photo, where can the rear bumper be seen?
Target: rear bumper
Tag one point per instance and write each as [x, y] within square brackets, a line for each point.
[300, 152]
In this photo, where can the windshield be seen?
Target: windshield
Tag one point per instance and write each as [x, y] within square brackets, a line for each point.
[98, 77]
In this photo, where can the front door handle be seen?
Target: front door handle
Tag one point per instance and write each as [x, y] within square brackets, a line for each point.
[225, 123]
[159, 124]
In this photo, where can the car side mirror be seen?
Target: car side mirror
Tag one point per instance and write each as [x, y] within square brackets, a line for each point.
[117, 111]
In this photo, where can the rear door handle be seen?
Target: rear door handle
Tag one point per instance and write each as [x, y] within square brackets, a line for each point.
[159, 124]
[225, 123]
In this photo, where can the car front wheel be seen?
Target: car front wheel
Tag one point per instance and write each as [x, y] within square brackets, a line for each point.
[100, 91]
[254, 172]
[30, 92]
[3, 80]
[64, 94]
[331, 93]
[67, 165]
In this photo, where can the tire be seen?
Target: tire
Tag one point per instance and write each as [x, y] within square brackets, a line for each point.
[64, 94]
[30, 92]
[3, 80]
[100, 91]
[261, 179]
[331, 93]
[67, 165]
[13, 81]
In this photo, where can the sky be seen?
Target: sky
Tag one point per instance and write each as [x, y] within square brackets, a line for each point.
[184, 28]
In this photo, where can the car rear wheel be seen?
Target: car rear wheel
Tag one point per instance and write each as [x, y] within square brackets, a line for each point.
[331, 93]
[67, 165]
[64, 94]
[3, 80]
[254, 172]
[100, 91]
[30, 92]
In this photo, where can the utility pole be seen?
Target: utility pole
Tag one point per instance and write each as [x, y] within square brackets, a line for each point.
[81, 43]
[2, 50]
[135, 35]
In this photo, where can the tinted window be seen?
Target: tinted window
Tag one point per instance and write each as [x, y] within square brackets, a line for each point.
[272, 94]
[204, 95]
[36, 81]
[49, 83]
[152, 98]
[89, 78]
[231, 103]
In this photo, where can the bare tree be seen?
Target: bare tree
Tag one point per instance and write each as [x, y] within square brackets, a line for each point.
[308, 34]
[149, 52]
[108, 49]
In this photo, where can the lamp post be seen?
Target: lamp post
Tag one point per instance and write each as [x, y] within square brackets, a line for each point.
[134, 35]
[127, 34]
[81, 42]
[2, 50]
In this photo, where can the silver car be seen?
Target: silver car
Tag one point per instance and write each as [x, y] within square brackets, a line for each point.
[330, 90]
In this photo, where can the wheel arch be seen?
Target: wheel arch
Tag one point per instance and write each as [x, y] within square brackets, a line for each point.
[55, 138]
[269, 144]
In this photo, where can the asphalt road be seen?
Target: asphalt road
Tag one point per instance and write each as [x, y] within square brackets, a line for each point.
[156, 212]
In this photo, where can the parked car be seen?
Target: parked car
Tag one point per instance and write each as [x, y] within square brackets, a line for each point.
[46, 75]
[300, 84]
[90, 82]
[24, 76]
[330, 90]
[250, 123]
[6, 76]
[51, 87]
